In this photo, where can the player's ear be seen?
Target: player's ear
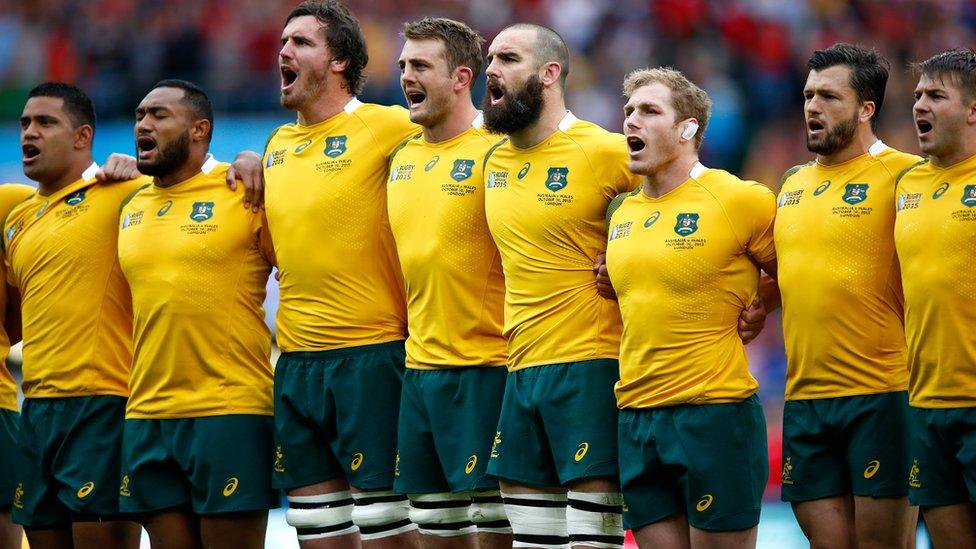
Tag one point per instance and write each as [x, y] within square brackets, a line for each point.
[83, 136]
[971, 111]
[338, 65]
[200, 130]
[551, 72]
[463, 78]
[867, 110]
[688, 129]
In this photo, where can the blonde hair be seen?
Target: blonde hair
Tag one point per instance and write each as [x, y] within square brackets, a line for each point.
[687, 99]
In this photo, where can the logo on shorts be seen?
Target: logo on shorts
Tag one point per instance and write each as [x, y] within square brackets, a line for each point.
[19, 496]
[470, 465]
[913, 480]
[496, 443]
[201, 211]
[231, 486]
[357, 461]
[279, 466]
[872, 468]
[855, 193]
[704, 503]
[124, 487]
[788, 471]
[85, 489]
[581, 451]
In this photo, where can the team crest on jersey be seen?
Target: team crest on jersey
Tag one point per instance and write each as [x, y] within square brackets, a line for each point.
[941, 190]
[686, 224]
[558, 179]
[969, 196]
[524, 171]
[462, 169]
[302, 146]
[76, 198]
[822, 188]
[433, 162]
[855, 193]
[335, 145]
[201, 211]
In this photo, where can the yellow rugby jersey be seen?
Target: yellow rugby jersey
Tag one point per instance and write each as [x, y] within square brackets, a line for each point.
[682, 266]
[77, 314]
[935, 235]
[451, 268]
[197, 263]
[546, 208]
[11, 194]
[325, 197]
[839, 277]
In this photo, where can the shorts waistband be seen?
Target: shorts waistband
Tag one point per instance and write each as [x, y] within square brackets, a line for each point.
[345, 351]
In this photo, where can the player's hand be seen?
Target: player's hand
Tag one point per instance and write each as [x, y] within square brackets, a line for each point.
[603, 285]
[247, 169]
[752, 320]
[117, 167]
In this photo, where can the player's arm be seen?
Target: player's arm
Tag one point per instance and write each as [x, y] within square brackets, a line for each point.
[117, 167]
[247, 169]
[12, 318]
[604, 286]
[753, 319]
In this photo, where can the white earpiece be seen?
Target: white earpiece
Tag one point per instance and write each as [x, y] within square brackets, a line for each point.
[689, 131]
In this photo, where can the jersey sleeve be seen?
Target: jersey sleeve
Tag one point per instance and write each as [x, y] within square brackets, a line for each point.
[754, 212]
[611, 167]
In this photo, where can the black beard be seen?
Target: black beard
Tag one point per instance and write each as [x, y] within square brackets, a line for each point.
[836, 138]
[520, 109]
[168, 159]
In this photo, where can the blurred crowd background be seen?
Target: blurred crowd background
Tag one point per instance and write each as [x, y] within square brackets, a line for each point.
[750, 55]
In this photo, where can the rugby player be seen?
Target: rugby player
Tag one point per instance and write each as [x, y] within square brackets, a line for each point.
[196, 453]
[342, 315]
[684, 255]
[10, 534]
[452, 389]
[60, 252]
[845, 440]
[935, 234]
[547, 187]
